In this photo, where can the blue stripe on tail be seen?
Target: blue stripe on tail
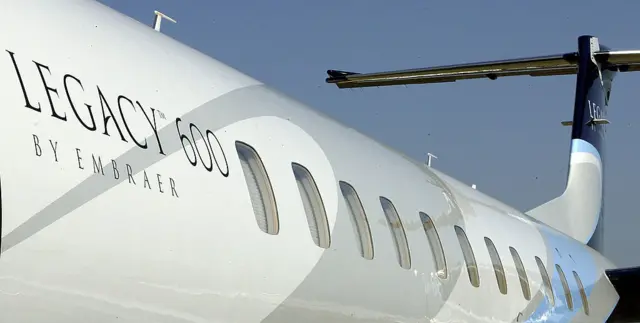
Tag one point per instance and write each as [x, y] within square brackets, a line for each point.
[583, 146]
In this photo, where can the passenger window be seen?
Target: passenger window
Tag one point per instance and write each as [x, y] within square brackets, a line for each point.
[397, 232]
[522, 273]
[313, 206]
[469, 258]
[497, 265]
[260, 191]
[583, 295]
[358, 220]
[546, 282]
[565, 286]
[435, 244]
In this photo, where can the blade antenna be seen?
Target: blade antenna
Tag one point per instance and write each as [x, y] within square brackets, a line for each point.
[158, 19]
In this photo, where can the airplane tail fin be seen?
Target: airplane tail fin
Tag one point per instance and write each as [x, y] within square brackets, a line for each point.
[578, 212]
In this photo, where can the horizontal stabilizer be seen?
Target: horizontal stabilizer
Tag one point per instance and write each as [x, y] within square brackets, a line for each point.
[627, 284]
[561, 64]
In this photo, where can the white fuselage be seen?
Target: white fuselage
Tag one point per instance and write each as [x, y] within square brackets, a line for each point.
[105, 218]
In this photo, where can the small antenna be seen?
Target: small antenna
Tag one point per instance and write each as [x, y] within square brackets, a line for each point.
[430, 155]
[158, 19]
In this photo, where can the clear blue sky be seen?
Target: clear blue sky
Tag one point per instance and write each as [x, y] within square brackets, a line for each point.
[505, 135]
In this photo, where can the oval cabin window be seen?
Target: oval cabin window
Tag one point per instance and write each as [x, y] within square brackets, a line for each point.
[313, 206]
[259, 186]
[358, 220]
[435, 243]
[469, 257]
[397, 233]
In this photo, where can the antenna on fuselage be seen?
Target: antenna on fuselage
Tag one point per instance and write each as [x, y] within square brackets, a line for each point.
[158, 20]
[430, 155]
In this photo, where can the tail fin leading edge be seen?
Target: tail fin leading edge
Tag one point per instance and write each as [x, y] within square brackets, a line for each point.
[578, 212]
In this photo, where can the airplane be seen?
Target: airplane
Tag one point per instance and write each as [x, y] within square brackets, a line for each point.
[144, 181]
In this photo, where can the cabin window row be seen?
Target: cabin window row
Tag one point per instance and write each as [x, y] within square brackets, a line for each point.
[361, 227]
[364, 239]
[474, 277]
[263, 200]
[266, 213]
